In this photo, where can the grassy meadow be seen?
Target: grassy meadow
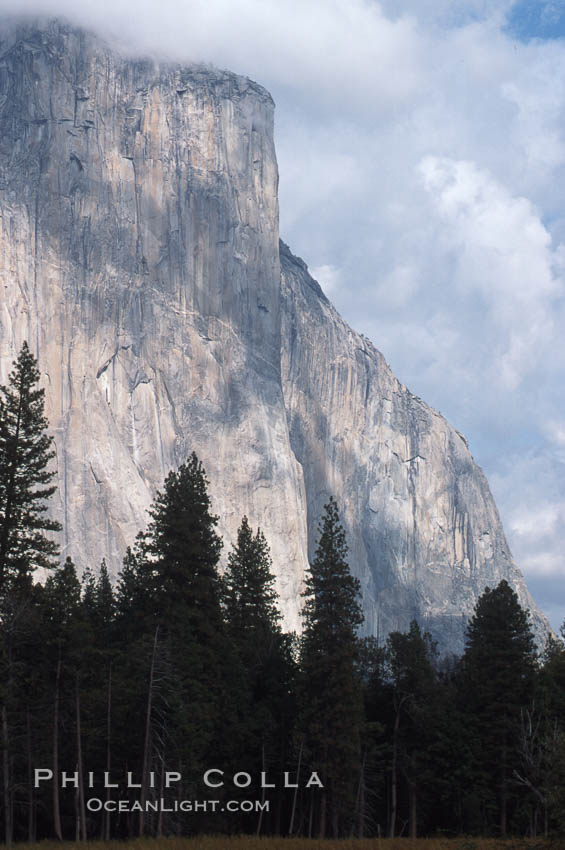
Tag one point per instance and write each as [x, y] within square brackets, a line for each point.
[254, 843]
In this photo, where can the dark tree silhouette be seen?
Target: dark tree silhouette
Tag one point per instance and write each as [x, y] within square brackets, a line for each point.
[25, 453]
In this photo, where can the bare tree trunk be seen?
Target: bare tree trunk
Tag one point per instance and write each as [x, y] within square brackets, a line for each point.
[361, 800]
[31, 799]
[81, 805]
[394, 777]
[77, 816]
[412, 809]
[8, 503]
[8, 811]
[323, 806]
[159, 833]
[56, 805]
[293, 813]
[545, 822]
[147, 742]
[335, 818]
[503, 789]
[106, 819]
[260, 822]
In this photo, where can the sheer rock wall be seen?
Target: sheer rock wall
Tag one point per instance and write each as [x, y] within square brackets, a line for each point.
[139, 256]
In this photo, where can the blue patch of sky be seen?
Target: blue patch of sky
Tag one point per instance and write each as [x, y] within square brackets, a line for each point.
[537, 19]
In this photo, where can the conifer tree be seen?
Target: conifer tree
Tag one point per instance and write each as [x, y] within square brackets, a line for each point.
[265, 653]
[25, 454]
[88, 582]
[173, 573]
[331, 689]
[413, 681]
[182, 550]
[98, 603]
[499, 665]
[249, 595]
[104, 597]
[134, 595]
[65, 640]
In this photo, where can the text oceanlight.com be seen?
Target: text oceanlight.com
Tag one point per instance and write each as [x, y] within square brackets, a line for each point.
[95, 804]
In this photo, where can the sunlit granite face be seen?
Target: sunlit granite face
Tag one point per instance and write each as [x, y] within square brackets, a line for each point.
[139, 256]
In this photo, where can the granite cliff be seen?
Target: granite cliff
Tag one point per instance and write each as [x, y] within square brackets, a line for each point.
[140, 257]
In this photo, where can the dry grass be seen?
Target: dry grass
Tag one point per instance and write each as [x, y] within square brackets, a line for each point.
[253, 843]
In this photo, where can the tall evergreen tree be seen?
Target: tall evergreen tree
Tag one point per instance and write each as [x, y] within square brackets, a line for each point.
[182, 550]
[331, 687]
[104, 597]
[499, 665]
[193, 706]
[250, 597]
[66, 640]
[265, 653]
[25, 453]
[413, 683]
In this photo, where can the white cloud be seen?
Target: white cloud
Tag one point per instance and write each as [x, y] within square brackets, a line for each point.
[534, 523]
[330, 278]
[504, 256]
[337, 51]
[543, 564]
[555, 431]
[528, 486]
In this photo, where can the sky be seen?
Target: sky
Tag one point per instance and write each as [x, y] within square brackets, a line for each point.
[421, 149]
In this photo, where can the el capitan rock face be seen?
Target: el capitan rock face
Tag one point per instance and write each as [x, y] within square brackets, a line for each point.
[139, 256]
[424, 532]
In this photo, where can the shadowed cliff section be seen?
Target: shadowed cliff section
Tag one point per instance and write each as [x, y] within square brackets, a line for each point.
[139, 255]
[424, 532]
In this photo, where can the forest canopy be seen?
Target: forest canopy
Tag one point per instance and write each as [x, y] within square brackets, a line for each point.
[179, 668]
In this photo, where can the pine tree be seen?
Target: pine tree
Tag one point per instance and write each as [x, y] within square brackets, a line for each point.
[98, 602]
[413, 682]
[98, 652]
[104, 597]
[173, 573]
[265, 653]
[249, 596]
[66, 639]
[88, 582]
[499, 666]
[182, 549]
[134, 596]
[25, 454]
[331, 688]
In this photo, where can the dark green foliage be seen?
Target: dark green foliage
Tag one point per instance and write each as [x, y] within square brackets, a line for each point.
[249, 594]
[331, 702]
[180, 669]
[62, 598]
[543, 751]
[410, 658]
[332, 611]
[499, 668]
[25, 453]
[265, 655]
[135, 608]
[104, 602]
[182, 550]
